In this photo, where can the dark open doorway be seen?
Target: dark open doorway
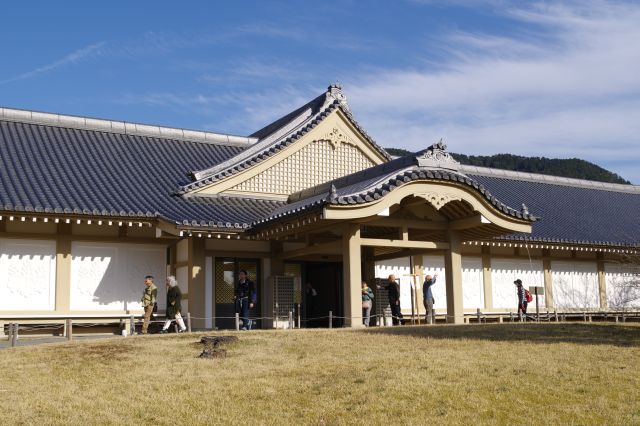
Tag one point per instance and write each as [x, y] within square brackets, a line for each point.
[326, 279]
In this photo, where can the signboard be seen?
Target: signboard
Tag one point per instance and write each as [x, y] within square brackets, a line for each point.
[538, 291]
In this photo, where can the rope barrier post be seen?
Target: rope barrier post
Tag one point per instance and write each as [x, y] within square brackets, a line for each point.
[479, 316]
[14, 334]
[237, 321]
[69, 329]
[132, 326]
[189, 322]
[10, 331]
[555, 313]
[584, 316]
[290, 320]
[299, 315]
[330, 319]
[511, 316]
[623, 318]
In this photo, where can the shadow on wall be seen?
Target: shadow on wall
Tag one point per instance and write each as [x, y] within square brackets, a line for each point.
[587, 334]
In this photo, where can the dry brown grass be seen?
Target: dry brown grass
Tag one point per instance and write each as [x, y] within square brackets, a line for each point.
[476, 374]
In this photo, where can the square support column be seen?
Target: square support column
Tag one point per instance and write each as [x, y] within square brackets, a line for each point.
[548, 279]
[602, 283]
[453, 268]
[352, 276]
[487, 280]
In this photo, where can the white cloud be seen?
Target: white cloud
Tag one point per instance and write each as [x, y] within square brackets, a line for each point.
[71, 58]
[565, 86]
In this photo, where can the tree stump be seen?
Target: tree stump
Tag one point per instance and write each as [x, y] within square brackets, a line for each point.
[212, 346]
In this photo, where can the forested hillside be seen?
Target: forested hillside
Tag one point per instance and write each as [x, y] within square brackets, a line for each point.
[572, 167]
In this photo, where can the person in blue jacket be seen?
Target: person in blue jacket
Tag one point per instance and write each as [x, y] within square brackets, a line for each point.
[427, 298]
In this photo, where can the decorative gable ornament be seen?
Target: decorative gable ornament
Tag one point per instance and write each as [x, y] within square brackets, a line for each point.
[436, 156]
[336, 136]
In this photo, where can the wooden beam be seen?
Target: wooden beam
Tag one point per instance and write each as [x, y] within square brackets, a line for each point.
[378, 242]
[409, 223]
[333, 246]
[467, 222]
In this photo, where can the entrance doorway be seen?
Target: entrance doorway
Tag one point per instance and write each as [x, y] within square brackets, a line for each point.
[326, 279]
[226, 276]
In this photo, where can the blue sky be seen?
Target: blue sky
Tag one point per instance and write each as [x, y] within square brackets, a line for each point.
[549, 79]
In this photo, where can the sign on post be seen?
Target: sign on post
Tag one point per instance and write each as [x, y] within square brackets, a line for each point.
[537, 291]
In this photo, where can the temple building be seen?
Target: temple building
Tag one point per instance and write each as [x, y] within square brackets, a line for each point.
[88, 207]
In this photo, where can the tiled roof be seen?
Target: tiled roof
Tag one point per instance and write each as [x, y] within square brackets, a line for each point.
[372, 184]
[51, 169]
[279, 135]
[571, 213]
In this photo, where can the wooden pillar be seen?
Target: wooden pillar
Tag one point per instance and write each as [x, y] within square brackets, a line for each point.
[453, 268]
[602, 283]
[352, 276]
[548, 280]
[63, 269]
[486, 277]
[369, 271]
[197, 283]
[418, 279]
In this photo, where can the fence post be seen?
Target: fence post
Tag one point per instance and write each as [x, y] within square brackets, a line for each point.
[189, 322]
[479, 316]
[237, 321]
[290, 320]
[132, 326]
[14, 334]
[69, 329]
[330, 319]
[298, 315]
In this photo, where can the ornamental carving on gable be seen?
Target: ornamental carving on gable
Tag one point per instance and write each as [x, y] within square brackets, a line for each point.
[437, 199]
[437, 156]
[336, 136]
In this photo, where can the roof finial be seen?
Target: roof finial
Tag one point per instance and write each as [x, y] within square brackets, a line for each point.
[333, 194]
[335, 88]
[525, 210]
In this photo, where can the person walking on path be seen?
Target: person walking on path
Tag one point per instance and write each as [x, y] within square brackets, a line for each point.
[174, 307]
[522, 299]
[428, 299]
[245, 298]
[148, 301]
[393, 289]
[367, 303]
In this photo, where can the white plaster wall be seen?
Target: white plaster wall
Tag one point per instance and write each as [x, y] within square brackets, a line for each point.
[505, 271]
[401, 269]
[110, 276]
[622, 287]
[472, 283]
[27, 274]
[575, 284]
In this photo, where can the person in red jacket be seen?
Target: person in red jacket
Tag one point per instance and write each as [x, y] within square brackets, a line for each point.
[522, 299]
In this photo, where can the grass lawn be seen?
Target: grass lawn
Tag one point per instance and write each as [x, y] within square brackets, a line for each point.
[475, 374]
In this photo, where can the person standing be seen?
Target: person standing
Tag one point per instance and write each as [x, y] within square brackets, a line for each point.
[174, 308]
[245, 298]
[367, 303]
[428, 299]
[148, 301]
[393, 289]
[522, 299]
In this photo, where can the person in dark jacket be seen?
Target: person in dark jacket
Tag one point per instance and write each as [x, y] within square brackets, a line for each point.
[427, 298]
[174, 308]
[367, 303]
[393, 289]
[245, 298]
[522, 299]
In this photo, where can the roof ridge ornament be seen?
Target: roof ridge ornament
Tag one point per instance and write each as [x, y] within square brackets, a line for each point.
[334, 93]
[436, 156]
